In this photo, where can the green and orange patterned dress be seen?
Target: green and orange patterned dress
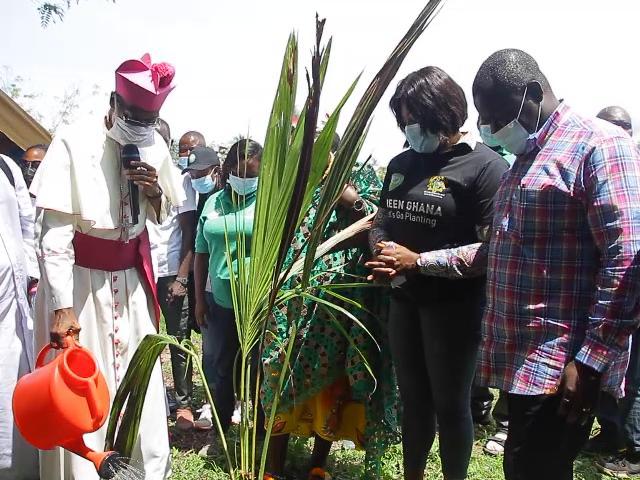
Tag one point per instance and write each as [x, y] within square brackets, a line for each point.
[329, 391]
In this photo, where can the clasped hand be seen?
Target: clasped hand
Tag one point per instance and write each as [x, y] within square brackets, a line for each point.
[392, 259]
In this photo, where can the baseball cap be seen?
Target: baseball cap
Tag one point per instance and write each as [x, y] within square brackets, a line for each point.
[202, 158]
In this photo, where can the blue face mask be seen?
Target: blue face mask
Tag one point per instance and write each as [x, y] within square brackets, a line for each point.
[420, 141]
[514, 137]
[487, 136]
[243, 186]
[183, 162]
[203, 185]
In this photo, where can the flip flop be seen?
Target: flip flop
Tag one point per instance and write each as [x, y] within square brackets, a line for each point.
[495, 443]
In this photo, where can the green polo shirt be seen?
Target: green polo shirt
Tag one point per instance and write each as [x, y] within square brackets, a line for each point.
[221, 214]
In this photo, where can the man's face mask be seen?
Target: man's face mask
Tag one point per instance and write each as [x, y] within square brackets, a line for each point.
[28, 170]
[419, 141]
[183, 162]
[125, 132]
[487, 137]
[204, 184]
[513, 137]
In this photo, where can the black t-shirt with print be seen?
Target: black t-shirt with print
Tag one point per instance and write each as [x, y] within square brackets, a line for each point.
[435, 201]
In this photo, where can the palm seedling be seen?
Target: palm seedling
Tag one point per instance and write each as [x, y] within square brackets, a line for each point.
[295, 163]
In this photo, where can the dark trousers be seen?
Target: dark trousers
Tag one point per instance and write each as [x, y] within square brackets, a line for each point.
[620, 419]
[482, 404]
[220, 348]
[434, 350]
[178, 320]
[540, 444]
[630, 405]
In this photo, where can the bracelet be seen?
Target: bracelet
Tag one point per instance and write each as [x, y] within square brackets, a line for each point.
[358, 205]
[153, 197]
[184, 281]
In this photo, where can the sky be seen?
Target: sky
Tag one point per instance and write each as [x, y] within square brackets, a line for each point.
[228, 54]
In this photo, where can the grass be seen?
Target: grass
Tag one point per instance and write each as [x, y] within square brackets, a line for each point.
[343, 464]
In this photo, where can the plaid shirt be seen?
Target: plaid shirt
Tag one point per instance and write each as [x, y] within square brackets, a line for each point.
[562, 259]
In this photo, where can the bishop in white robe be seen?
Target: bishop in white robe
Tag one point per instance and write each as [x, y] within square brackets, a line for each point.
[95, 257]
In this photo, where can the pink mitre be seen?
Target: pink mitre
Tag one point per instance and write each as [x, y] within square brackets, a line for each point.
[144, 84]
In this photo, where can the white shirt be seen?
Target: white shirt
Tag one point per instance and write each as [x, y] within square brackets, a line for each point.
[166, 238]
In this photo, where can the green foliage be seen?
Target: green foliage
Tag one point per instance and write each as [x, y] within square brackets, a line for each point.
[295, 163]
[54, 11]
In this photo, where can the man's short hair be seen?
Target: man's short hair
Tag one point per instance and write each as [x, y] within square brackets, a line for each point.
[508, 71]
[38, 146]
[198, 136]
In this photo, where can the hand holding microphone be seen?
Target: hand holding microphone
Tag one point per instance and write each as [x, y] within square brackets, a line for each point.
[140, 175]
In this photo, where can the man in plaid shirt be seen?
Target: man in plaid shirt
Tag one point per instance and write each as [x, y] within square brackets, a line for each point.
[562, 261]
[563, 272]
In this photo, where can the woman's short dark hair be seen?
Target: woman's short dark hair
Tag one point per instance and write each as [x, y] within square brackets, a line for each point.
[242, 150]
[433, 99]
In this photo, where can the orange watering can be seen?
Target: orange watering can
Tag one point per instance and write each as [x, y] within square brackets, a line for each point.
[56, 404]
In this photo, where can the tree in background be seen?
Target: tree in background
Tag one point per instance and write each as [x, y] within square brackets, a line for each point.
[65, 105]
[51, 12]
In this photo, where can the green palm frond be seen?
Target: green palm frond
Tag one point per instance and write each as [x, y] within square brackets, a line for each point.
[358, 125]
[295, 164]
[122, 431]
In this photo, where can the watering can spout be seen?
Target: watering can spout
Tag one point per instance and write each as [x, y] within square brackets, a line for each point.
[101, 460]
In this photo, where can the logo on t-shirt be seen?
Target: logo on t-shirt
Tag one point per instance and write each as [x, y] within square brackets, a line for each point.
[436, 186]
[396, 181]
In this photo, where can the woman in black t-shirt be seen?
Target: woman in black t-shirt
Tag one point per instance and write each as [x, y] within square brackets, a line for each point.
[436, 208]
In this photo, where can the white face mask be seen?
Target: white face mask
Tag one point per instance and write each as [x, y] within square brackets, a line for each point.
[420, 141]
[514, 137]
[123, 133]
[243, 186]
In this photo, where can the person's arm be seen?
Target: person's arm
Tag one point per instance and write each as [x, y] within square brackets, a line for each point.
[464, 261]
[200, 273]
[178, 288]
[26, 211]
[58, 257]
[612, 186]
[611, 179]
[187, 222]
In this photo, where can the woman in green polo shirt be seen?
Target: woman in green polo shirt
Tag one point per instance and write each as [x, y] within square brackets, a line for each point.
[226, 213]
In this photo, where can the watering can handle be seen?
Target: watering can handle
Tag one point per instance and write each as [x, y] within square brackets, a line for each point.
[92, 398]
[70, 342]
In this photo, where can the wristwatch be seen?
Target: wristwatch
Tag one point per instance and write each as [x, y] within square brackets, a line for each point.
[184, 281]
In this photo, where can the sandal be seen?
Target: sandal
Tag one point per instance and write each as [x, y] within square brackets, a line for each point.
[319, 474]
[495, 443]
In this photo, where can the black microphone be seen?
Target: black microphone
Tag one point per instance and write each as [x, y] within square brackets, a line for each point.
[130, 153]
